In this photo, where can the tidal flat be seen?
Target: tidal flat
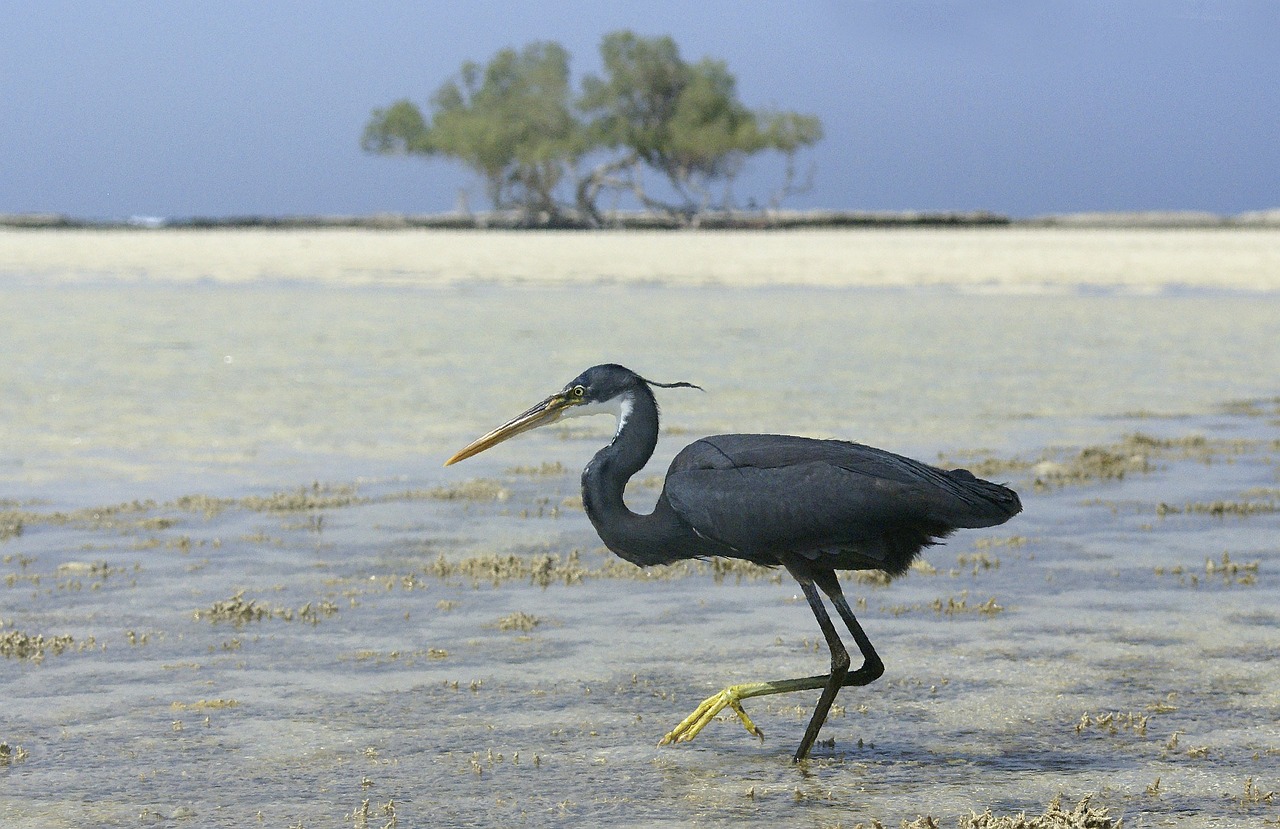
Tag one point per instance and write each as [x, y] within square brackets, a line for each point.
[237, 586]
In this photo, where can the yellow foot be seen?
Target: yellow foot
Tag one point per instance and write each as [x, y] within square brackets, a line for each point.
[728, 698]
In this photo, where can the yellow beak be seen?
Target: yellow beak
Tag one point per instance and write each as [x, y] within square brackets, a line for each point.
[548, 411]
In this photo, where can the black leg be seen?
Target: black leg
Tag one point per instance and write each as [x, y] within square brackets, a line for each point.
[811, 579]
[839, 667]
[872, 668]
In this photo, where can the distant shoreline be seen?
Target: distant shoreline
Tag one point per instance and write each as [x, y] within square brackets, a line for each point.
[1000, 258]
[742, 220]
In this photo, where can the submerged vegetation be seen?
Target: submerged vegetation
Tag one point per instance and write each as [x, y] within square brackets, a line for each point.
[1226, 570]
[1082, 816]
[547, 569]
[521, 621]
[424, 629]
[1136, 453]
[14, 644]
[239, 611]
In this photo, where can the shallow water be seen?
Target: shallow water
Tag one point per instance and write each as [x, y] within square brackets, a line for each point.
[375, 652]
[218, 387]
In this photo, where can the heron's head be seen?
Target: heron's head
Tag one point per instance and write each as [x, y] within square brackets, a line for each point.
[600, 389]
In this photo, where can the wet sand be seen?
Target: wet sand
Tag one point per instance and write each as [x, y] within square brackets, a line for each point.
[1017, 259]
[236, 584]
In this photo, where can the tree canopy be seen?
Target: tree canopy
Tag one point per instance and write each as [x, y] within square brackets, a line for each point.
[516, 123]
[510, 121]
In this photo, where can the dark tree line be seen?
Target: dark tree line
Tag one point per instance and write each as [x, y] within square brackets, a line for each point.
[552, 154]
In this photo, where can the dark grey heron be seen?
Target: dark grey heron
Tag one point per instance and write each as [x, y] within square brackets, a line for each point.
[811, 506]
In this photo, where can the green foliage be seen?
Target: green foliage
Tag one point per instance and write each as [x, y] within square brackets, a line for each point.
[682, 120]
[632, 106]
[397, 129]
[710, 126]
[513, 122]
[510, 121]
[788, 132]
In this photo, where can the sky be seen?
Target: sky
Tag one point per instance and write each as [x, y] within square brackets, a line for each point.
[1023, 107]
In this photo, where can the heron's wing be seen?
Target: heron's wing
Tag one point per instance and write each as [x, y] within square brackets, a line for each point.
[856, 505]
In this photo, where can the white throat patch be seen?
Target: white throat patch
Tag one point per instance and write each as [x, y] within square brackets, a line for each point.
[619, 407]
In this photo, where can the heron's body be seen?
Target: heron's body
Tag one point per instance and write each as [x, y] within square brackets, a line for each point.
[811, 506]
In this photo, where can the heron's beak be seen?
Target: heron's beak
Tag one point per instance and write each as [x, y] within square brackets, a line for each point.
[548, 411]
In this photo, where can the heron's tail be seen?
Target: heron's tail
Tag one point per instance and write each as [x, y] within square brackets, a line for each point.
[989, 504]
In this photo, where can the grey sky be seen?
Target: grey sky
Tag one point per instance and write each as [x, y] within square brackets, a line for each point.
[112, 109]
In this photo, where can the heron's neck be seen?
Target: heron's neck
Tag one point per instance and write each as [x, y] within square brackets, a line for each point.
[605, 478]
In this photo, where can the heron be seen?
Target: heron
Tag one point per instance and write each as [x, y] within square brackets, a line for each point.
[808, 505]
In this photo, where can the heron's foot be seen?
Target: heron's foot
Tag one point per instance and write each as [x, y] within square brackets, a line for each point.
[728, 698]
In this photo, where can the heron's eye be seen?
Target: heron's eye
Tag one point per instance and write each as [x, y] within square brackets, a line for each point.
[579, 391]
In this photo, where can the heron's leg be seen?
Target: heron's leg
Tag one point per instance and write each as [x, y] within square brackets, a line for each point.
[839, 669]
[872, 668]
[732, 696]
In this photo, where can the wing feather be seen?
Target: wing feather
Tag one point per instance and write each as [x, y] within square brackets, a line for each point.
[858, 506]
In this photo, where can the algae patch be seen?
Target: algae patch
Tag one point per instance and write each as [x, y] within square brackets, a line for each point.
[519, 620]
[1219, 508]
[1083, 816]
[10, 525]
[543, 470]
[205, 705]
[476, 490]
[950, 606]
[240, 611]
[15, 644]
[1136, 453]
[544, 570]
[1230, 571]
[1113, 722]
